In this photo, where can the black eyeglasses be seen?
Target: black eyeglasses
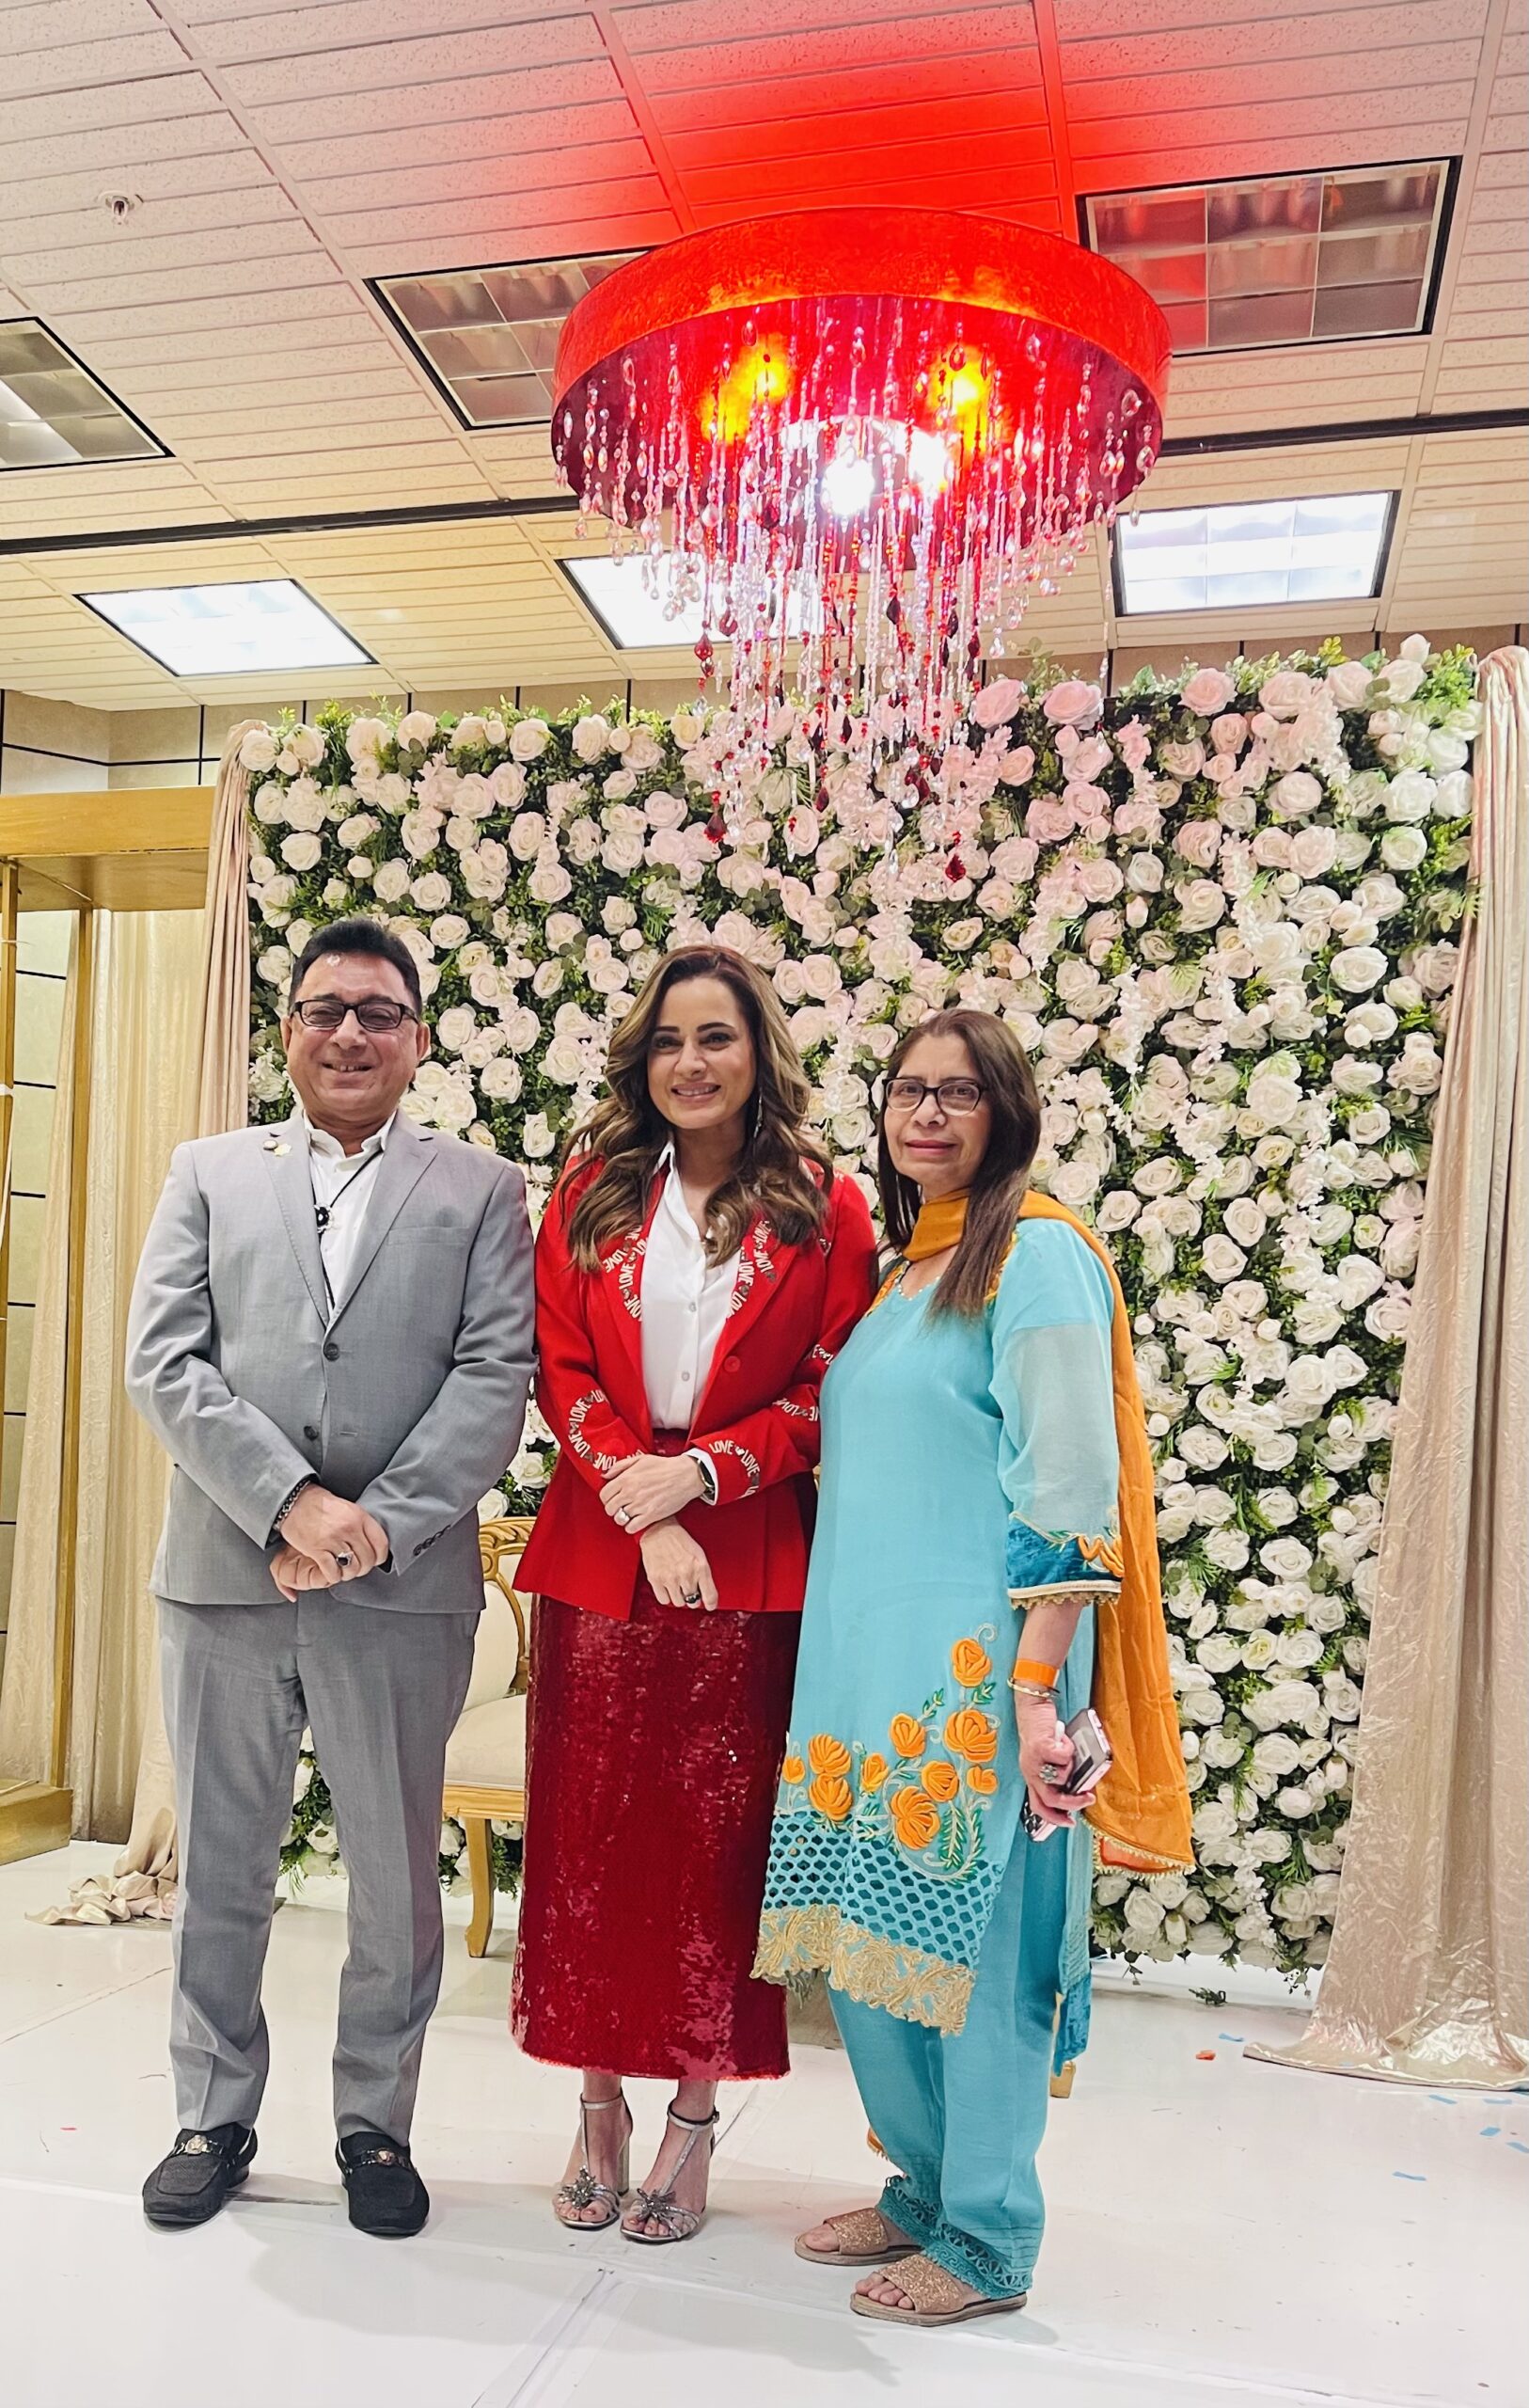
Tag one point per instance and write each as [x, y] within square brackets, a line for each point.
[955, 1097]
[377, 1017]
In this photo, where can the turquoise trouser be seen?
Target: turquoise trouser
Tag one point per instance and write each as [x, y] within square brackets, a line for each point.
[962, 2113]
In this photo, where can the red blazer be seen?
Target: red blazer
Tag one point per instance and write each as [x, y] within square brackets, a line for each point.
[757, 1418]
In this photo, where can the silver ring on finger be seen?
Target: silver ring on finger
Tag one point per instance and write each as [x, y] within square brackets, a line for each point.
[344, 1561]
[623, 1515]
[691, 1597]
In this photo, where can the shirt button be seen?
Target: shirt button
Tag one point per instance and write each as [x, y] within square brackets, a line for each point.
[311, 1429]
[690, 1308]
[686, 1378]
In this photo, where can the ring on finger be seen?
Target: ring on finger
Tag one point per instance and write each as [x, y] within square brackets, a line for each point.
[691, 1597]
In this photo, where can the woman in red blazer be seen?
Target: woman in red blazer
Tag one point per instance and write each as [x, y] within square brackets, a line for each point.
[698, 1269]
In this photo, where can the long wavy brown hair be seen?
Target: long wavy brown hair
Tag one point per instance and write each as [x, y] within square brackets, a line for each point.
[783, 1172]
[998, 1189]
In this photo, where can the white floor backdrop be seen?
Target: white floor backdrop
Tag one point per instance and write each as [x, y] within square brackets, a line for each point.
[1224, 2235]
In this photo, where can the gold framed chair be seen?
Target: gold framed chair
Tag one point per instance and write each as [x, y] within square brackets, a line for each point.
[485, 1756]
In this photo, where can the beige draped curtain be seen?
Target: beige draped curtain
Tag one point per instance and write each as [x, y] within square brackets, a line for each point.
[143, 1016]
[1428, 1980]
[218, 1048]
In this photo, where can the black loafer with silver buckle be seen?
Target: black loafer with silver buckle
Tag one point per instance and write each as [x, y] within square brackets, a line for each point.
[386, 2196]
[193, 2182]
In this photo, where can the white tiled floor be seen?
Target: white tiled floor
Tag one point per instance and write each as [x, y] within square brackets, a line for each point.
[1224, 2235]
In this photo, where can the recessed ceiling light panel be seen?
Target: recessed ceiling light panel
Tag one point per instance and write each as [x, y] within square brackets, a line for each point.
[229, 630]
[616, 587]
[1238, 556]
[1281, 260]
[488, 335]
[52, 413]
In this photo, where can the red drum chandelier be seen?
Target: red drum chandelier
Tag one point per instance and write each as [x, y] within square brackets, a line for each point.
[873, 434]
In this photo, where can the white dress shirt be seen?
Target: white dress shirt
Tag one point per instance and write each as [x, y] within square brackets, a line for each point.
[684, 1304]
[342, 1185]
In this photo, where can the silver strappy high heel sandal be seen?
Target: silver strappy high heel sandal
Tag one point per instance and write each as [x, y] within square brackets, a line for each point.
[570, 2198]
[661, 2207]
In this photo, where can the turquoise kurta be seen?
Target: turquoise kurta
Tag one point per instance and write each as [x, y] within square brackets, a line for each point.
[968, 1467]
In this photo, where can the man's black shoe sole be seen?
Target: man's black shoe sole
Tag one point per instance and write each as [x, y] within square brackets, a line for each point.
[187, 2219]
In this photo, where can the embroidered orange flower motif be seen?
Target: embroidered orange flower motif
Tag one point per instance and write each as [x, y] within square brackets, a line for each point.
[969, 1662]
[915, 1819]
[908, 1737]
[831, 1795]
[873, 1773]
[827, 1755]
[794, 1769]
[981, 1781]
[942, 1781]
[972, 1735]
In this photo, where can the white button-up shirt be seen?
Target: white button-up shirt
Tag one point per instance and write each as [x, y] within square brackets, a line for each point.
[342, 1185]
[684, 1304]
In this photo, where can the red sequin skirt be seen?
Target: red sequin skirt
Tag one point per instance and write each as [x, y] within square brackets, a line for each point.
[652, 1753]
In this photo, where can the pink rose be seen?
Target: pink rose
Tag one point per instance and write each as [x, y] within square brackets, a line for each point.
[1135, 746]
[1072, 703]
[1208, 692]
[993, 704]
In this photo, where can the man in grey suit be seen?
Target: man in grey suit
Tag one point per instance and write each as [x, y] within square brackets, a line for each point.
[331, 1333]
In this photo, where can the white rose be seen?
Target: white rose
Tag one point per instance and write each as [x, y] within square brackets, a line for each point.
[1388, 1316]
[1297, 793]
[456, 1028]
[1314, 851]
[1410, 798]
[530, 738]
[353, 831]
[620, 784]
[431, 892]
[1245, 1221]
[276, 965]
[1201, 904]
[1208, 692]
[549, 883]
[1403, 849]
[258, 752]
[536, 1138]
[1349, 684]
[1286, 693]
[501, 1080]
[1447, 749]
[469, 734]
[307, 746]
[1223, 1260]
[1357, 967]
[416, 728]
[391, 882]
[591, 739]
[301, 851]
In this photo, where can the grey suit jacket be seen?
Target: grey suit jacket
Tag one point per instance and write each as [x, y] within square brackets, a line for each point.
[411, 1402]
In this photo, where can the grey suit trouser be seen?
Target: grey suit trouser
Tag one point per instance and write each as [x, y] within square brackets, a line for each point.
[381, 1693]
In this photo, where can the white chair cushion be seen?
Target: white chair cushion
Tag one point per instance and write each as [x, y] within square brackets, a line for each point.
[496, 1656]
[487, 1750]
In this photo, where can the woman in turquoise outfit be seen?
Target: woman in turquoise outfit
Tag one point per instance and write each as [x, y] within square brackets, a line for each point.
[982, 1522]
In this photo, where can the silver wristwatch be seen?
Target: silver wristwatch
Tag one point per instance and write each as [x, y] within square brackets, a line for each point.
[708, 1474]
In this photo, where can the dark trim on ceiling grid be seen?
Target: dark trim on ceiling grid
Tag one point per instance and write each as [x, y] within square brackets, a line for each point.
[557, 505]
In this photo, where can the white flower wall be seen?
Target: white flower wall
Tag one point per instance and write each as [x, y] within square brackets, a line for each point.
[1219, 913]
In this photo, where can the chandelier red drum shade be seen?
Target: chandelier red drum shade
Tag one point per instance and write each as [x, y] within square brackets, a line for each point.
[874, 432]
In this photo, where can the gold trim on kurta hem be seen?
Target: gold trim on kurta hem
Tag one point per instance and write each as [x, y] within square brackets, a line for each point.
[865, 1965]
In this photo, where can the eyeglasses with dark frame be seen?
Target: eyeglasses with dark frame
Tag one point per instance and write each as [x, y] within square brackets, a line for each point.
[955, 1098]
[377, 1016]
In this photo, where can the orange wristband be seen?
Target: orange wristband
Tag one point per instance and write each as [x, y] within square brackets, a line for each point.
[1028, 1669]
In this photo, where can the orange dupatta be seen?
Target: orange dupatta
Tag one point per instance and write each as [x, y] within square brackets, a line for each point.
[1141, 1815]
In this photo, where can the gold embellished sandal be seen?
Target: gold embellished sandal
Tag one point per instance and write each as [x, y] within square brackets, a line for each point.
[864, 2239]
[937, 2298]
[661, 2207]
[570, 2198]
